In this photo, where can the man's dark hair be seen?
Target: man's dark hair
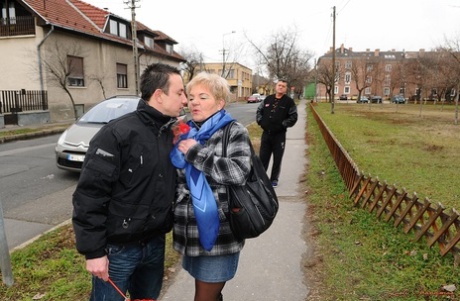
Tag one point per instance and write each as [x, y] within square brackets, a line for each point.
[283, 80]
[156, 76]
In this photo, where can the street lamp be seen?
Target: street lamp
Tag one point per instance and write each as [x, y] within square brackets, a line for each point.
[223, 51]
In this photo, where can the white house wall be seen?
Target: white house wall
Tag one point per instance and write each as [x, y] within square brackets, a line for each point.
[20, 70]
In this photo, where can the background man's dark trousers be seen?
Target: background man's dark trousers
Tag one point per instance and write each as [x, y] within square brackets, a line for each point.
[272, 144]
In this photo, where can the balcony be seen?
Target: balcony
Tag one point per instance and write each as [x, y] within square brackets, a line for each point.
[22, 25]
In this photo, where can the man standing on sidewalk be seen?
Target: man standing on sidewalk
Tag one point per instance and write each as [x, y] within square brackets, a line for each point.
[274, 115]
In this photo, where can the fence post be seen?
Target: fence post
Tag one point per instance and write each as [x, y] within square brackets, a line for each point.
[5, 262]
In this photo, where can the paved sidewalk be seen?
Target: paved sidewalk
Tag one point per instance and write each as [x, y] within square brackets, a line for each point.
[270, 267]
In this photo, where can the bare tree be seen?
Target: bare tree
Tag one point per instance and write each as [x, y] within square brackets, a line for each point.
[324, 75]
[234, 53]
[194, 61]
[59, 65]
[360, 75]
[282, 58]
[100, 81]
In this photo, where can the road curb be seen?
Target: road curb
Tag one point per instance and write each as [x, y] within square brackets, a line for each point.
[40, 133]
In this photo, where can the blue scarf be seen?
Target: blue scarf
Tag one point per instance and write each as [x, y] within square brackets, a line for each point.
[204, 203]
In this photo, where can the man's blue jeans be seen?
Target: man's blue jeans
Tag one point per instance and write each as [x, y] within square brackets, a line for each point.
[135, 268]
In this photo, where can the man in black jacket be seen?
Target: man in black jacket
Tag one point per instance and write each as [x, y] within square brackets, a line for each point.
[123, 200]
[275, 114]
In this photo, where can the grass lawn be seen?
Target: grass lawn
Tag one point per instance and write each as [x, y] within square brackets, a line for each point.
[357, 256]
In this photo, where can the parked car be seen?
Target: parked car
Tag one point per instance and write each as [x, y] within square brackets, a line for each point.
[398, 99]
[376, 99]
[262, 97]
[254, 98]
[74, 142]
[343, 97]
[363, 99]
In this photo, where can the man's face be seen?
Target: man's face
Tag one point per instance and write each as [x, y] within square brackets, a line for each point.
[175, 99]
[281, 87]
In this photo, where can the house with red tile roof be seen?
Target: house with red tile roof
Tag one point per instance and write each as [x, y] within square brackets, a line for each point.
[78, 53]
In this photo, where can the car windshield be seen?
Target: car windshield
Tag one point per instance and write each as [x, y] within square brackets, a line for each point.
[108, 110]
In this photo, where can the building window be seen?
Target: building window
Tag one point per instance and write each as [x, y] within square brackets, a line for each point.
[369, 80]
[346, 90]
[169, 48]
[149, 42]
[118, 29]
[123, 30]
[231, 74]
[348, 64]
[75, 68]
[8, 13]
[387, 80]
[386, 91]
[388, 67]
[336, 90]
[367, 91]
[369, 67]
[347, 78]
[122, 76]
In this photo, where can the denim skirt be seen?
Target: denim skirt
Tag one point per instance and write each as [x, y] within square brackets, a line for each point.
[211, 268]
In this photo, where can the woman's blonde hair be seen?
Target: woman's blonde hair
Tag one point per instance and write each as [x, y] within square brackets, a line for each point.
[217, 85]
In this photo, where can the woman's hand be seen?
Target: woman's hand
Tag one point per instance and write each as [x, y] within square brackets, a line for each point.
[185, 145]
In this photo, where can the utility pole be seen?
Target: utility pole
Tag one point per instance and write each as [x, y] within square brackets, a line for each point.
[132, 5]
[333, 63]
[223, 53]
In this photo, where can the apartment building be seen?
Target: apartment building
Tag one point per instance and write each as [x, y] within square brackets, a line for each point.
[239, 77]
[374, 72]
[77, 53]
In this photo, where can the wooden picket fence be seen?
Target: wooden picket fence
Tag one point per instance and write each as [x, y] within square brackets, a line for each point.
[431, 221]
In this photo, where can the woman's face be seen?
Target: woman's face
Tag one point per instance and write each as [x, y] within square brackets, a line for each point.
[202, 104]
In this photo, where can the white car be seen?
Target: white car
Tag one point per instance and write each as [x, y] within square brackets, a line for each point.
[74, 142]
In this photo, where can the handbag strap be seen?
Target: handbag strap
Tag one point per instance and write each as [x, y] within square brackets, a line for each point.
[226, 138]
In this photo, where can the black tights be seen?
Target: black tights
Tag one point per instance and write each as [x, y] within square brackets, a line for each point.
[206, 291]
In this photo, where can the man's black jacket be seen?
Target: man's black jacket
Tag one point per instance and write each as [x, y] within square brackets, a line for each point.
[127, 184]
[276, 115]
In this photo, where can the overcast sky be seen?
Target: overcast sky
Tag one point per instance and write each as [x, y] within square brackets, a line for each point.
[206, 25]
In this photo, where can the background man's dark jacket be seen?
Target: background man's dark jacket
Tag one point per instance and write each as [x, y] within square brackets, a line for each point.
[275, 116]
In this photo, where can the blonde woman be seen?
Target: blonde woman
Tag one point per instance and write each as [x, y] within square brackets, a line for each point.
[201, 231]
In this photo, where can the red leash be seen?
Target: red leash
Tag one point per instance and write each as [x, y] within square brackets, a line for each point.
[123, 295]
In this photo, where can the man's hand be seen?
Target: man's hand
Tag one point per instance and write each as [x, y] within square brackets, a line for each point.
[99, 267]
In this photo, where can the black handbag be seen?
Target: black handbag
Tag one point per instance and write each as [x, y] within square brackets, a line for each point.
[254, 205]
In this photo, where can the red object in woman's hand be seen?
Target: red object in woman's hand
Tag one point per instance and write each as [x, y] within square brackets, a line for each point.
[179, 129]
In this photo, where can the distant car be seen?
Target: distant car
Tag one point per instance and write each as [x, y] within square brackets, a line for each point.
[254, 98]
[343, 97]
[376, 99]
[363, 99]
[262, 97]
[398, 99]
[73, 143]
